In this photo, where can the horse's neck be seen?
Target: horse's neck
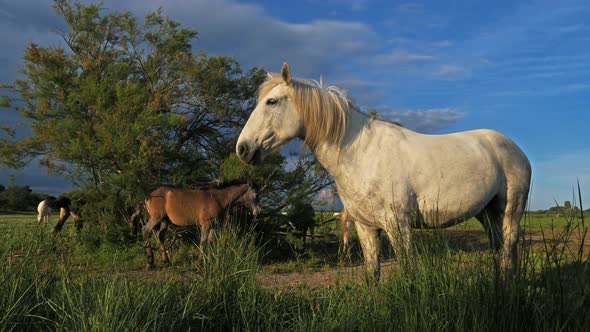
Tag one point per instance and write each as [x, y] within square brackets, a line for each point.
[335, 158]
[359, 148]
[228, 196]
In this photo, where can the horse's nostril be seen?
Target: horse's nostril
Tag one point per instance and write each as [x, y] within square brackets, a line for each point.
[242, 149]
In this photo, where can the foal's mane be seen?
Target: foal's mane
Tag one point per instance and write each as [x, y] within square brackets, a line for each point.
[201, 186]
[324, 111]
[225, 184]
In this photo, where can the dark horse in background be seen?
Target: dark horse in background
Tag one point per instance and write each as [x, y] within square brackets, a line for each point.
[62, 204]
[199, 207]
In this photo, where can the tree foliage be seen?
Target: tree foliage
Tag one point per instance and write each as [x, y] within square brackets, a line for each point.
[19, 198]
[126, 103]
[123, 104]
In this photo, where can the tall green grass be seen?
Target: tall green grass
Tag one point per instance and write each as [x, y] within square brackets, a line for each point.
[435, 289]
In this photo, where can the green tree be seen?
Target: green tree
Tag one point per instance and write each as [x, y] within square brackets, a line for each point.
[125, 104]
[567, 205]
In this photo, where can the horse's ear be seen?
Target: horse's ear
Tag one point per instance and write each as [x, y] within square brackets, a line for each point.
[268, 76]
[286, 72]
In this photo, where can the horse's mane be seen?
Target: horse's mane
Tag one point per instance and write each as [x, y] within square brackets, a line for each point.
[324, 111]
[200, 185]
[389, 121]
[225, 184]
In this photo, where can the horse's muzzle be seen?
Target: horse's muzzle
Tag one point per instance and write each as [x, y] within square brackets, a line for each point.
[248, 154]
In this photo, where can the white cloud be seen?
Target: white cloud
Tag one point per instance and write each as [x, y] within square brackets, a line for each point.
[353, 5]
[442, 43]
[256, 38]
[424, 121]
[410, 7]
[452, 73]
[400, 57]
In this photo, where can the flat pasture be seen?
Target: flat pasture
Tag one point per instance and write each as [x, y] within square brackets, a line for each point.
[77, 280]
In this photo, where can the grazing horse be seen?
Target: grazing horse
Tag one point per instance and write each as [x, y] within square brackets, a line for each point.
[391, 178]
[184, 207]
[302, 218]
[45, 208]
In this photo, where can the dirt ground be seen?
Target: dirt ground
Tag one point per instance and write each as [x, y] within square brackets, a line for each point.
[324, 277]
[459, 241]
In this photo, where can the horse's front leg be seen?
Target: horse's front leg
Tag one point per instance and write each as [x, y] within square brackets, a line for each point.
[64, 214]
[369, 239]
[398, 233]
[205, 233]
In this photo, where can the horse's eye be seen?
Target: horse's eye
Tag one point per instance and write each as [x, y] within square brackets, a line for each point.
[271, 101]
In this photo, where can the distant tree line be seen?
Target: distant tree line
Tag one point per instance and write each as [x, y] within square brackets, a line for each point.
[19, 198]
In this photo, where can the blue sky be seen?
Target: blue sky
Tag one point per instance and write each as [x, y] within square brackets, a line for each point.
[520, 67]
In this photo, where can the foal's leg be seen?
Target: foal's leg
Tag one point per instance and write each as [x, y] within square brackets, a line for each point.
[160, 238]
[147, 229]
[211, 236]
[304, 237]
[64, 214]
[368, 237]
[205, 232]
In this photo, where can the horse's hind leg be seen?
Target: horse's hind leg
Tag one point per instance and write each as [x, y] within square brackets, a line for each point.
[515, 206]
[147, 229]
[491, 220]
[160, 238]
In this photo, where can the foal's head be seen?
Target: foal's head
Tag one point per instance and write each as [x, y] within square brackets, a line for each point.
[251, 201]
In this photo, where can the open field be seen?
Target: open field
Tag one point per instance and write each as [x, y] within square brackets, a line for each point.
[77, 281]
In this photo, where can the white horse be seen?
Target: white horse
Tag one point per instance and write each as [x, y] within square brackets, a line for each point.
[43, 211]
[46, 207]
[391, 178]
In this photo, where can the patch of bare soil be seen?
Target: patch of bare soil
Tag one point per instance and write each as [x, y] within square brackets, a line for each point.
[314, 279]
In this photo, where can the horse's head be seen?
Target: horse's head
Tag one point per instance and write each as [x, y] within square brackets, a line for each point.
[251, 200]
[274, 122]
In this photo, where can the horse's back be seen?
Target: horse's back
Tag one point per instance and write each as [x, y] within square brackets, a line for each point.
[481, 150]
[186, 207]
[446, 177]
[515, 163]
[43, 208]
[508, 157]
[155, 203]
